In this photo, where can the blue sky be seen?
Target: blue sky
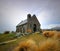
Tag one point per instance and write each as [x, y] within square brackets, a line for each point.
[14, 11]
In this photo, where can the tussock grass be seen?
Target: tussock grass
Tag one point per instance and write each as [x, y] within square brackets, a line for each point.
[57, 35]
[49, 33]
[35, 42]
[49, 45]
[28, 45]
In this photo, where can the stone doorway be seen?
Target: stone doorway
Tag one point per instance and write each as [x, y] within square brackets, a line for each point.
[34, 27]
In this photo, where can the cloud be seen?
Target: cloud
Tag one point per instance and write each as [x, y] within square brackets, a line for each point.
[14, 11]
[53, 25]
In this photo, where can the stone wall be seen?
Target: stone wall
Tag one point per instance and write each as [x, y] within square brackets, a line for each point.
[33, 20]
[29, 26]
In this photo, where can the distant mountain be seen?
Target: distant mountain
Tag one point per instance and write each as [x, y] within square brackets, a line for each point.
[55, 28]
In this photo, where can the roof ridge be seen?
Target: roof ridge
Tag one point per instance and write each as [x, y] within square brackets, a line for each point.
[22, 22]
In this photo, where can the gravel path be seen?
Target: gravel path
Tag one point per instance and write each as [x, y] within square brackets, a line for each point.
[2, 43]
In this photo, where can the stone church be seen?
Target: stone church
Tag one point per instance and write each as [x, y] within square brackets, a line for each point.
[31, 24]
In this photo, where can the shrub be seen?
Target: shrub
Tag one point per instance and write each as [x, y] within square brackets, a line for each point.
[48, 33]
[28, 45]
[49, 45]
[6, 32]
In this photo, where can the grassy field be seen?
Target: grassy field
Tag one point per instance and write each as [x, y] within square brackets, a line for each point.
[6, 37]
[42, 42]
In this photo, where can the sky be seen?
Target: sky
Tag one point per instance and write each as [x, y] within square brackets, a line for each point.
[14, 11]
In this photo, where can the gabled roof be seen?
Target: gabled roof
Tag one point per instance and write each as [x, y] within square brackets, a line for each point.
[22, 22]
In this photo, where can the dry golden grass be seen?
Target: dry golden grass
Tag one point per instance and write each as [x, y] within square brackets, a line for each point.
[52, 43]
[49, 45]
[36, 42]
[49, 33]
[57, 35]
[28, 45]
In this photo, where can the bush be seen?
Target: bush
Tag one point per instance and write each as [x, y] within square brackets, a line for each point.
[6, 32]
[49, 45]
[48, 33]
